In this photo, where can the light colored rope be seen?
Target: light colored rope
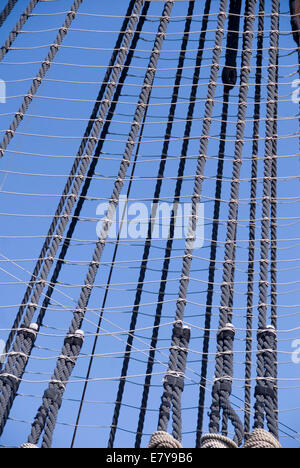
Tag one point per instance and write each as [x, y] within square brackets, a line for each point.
[216, 441]
[262, 439]
[162, 439]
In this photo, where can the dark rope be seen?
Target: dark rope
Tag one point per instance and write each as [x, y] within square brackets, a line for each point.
[252, 228]
[229, 77]
[66, 190]
[15, 32]
[157, 45]
[266, 336]
[6, 11]
[224, 360]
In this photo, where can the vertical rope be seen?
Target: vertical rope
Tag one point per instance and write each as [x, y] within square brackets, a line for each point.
[15, 32]
[229, 77]
[65, 192]
[148, 82]
[169, 245]
[266, 337]
[6, 11]
[252, 228]
[224, 360]
[78, 180]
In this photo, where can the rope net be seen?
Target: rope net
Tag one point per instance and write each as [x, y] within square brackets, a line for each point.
[149, 181]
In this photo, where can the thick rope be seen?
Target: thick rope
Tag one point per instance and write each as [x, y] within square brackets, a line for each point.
[261, 439]
[162, 439]
[266, 337]
[78, 180]
[216, 441]
[68, 185]
[6, 11]
[15, 32]
[84, 192]
[229, 77]
[224, 360]
[139, 112]
[169, 245]
[46, 64]
[28, 446]
[46, 416]
[252, 228]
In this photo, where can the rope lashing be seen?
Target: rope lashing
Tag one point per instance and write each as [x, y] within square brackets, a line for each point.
[11, 376]
[15, 32]
[173, 382]
[78, 180]
[69, 183]
[217, 441]
[46, 416]
[261, 439]
[229, 74]
[37, 81]
[266, 396]
[6, 11]
[162, 439]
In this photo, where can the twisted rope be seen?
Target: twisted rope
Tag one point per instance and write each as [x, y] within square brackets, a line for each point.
[224, 360]
[229, 77]
[261, 439]
[162, 439]
[266, 337]
[46, 64]
[169, 245]
[69, 183]
[216, 441]
[252, 229]
[164, 20]
[15, 32]
[6, 11]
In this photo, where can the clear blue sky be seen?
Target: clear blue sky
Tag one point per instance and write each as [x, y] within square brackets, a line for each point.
[32, 176]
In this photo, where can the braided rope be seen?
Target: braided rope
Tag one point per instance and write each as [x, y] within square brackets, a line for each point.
[6, 11]
[15, 32]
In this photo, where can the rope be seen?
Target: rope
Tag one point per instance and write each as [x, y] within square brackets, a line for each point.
[63, 199]
[46, 416]
[6, 11]
[261, 439]
[229, 77]
[78, 180]
[216, 441]
[162, 439]
[266, 337]
[91, 172]
[224, 360]
[149, 80]
[15, 32]
[252, 229]
[46, 64]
